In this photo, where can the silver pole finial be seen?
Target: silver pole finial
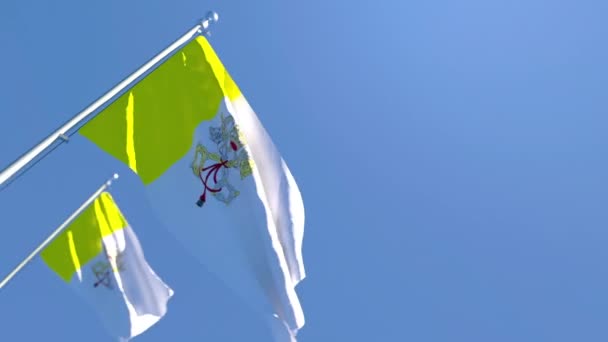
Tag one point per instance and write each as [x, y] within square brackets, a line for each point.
[210, 18]
[114, 177]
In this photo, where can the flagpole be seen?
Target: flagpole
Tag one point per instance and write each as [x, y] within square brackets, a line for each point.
[62, 133]
[67, 222]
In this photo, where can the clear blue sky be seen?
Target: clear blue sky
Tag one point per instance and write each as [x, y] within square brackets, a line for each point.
[451, 155]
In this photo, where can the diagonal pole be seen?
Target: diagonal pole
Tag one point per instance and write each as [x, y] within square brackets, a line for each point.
[62, 133]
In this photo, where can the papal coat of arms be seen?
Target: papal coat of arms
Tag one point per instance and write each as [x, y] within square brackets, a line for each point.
[213, 168]
[104, 269]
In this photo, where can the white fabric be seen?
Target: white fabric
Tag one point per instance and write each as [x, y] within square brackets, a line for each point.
[128, 301]
[282, 193]
[253, 243]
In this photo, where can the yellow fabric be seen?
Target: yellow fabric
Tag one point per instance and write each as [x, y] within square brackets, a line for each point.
[132, 160]
[81, 241]
[229, 88]
[152, 126]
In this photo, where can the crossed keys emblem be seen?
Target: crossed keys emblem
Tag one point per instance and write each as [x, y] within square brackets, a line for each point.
[104, 269]
[230, 155]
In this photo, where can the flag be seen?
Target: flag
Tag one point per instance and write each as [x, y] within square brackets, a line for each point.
[99, 255]
[213, 175]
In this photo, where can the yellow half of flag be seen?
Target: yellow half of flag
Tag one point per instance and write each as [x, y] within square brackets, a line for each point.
[150, 127]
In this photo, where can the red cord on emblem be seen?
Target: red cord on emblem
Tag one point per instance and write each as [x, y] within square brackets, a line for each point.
[212, 169]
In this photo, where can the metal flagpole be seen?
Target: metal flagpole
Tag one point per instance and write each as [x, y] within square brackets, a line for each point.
[58, 230]
[201, 28]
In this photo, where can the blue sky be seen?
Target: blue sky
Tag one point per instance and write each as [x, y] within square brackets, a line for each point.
[450, 156]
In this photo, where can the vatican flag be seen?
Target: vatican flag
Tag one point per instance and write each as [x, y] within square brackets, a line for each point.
[99, 255]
